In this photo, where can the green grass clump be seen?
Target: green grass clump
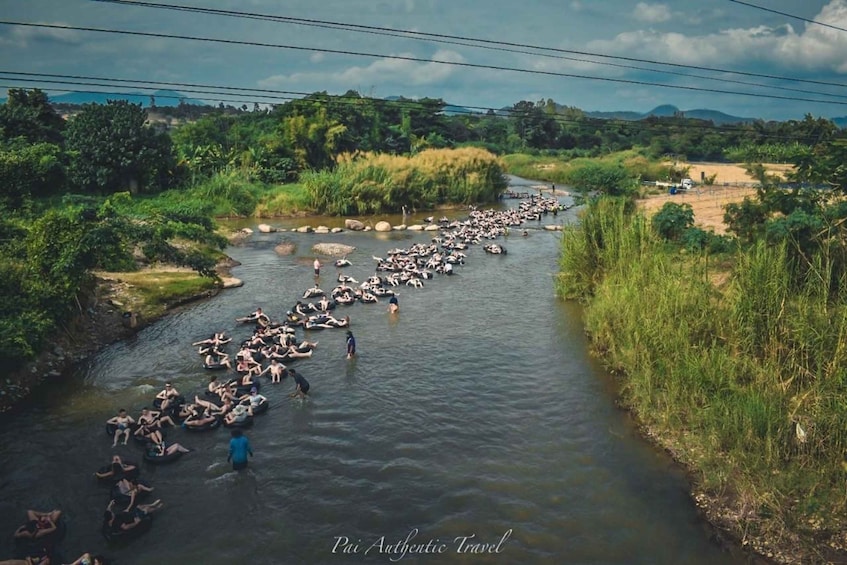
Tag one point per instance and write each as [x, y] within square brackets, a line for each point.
[380, 183]
[747, 381]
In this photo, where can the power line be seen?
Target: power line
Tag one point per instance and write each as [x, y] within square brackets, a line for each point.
[417, 60]
[408, 34]
[762, 8]
[587, 123]
[438, 37]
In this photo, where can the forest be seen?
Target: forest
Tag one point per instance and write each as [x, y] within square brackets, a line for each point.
[105, 185]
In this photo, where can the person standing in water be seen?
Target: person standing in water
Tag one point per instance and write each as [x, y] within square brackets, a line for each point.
[239, 448]
[301, 385]
[393, 304]
[317, 265]
[351, 345]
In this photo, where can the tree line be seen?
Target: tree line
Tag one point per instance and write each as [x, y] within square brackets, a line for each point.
[76, 192]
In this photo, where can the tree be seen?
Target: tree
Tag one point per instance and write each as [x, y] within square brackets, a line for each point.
[312, 139]
[29, 115]
[31, 170]
[112, 149]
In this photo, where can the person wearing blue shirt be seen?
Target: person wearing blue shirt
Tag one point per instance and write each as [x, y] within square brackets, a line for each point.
[239, 447]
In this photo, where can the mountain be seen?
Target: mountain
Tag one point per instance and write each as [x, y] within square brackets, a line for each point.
[163, 98]
[840, 122]
[668, 110]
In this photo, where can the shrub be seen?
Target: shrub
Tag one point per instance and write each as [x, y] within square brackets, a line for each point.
[672, 220]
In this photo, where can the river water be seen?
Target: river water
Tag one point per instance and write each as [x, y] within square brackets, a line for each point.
[474, 414]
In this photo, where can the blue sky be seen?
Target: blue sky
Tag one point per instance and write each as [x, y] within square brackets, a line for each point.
[707, 33]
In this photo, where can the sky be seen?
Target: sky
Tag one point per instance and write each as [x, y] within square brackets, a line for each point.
[715, 34]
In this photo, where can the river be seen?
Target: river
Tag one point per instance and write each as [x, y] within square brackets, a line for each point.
[474, 416]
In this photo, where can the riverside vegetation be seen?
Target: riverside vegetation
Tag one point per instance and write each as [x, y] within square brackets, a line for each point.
[733, 352]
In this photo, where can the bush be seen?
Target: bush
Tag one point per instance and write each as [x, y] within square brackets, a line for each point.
[672, 220]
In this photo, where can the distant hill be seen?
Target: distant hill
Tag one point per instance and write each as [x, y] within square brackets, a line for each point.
[163, 98]
[840, 122]
[668, 110]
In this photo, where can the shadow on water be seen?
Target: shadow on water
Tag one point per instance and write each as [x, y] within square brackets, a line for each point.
[473, 413]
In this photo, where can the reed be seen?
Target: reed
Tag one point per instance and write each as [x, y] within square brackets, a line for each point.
[379, 183]
[746, 382]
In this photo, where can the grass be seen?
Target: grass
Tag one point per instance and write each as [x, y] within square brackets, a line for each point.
[561, 170]
[283, 200]
[379, 183]
[727, 374]
[151, 292]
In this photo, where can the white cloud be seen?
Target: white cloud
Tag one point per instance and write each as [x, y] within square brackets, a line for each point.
[412, 73]
[576, 5]
[815, 48]
[24, 36]
[317, 57]
[651, 13]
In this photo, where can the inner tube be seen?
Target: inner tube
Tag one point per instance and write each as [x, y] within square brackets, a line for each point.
[131, 474]
[112, 428]
[178, 401]
[214, 424]
[117, 536]
[214, 366]
[121, 498]
[261, 408]
[162, 459]
[143, 440]
[30, 546]
[245, 424]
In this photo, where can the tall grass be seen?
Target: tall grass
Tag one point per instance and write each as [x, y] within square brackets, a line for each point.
[283, 200]
[378, 183]
[561, 170]
[747, 382]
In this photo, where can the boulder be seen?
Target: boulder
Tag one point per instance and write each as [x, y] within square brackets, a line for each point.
[321, 229]
[304, 229]
[265, 228]
[246, 231]
[553, 228]
[332, 249]
[415, 227]
[401, 227]
[382, 226]
[285, 248]
[231, 282]
[354, 225]
[431, 227]
[368, 228]
[336, 230]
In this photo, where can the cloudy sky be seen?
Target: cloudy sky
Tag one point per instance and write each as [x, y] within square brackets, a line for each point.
[717, 34]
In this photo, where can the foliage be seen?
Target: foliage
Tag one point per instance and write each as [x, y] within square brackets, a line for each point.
[29, 171]
[673, 220]
[611, 179]
[283, 200]
[725, 374]
[111, 149]
[371, 184]
[27, 115]
[751, 152]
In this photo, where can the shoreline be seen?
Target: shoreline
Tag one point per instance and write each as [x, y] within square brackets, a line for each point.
[103, 323]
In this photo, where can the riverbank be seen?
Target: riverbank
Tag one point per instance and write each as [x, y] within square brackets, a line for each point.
[117, 305]
[700, 350]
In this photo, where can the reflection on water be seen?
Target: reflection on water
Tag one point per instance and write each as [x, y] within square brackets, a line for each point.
[473, 412]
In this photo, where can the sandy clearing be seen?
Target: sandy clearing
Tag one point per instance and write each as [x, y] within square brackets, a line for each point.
[732, 184]
[708, 206]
